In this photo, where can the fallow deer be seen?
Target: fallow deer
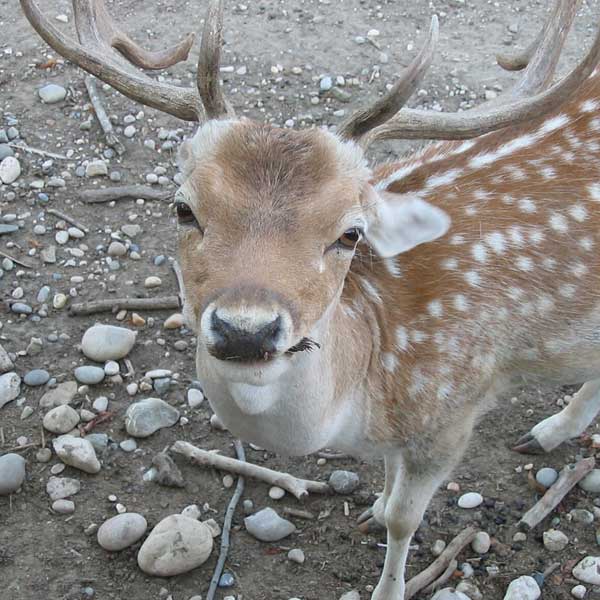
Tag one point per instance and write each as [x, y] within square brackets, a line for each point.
[382, 310]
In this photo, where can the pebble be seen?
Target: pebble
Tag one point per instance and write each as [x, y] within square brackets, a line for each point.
[226, 580]
[121, 531]
[176, 545]
[61, 419]
[96, 168]
[167, 472]
[98, 440]
[546, 476]
[26, 413]
[296, 555]
[152, 281]
[36, 377]
[128, 445]
[580, 515]
[131, 230]
[12, 473]
[62, 487]
[555, 540]
[10, 169]
[470, 500]
[326, 83]
[52, 93]
[145, 417]
[6, 364]
[161, 385]
[63, 507]
[43, 455]
[344, 482]
[438, 547]
[588, 570]
[192, 512]
[10, 387]
[89, 374]
[58, 468]
[579, 591]
[215, 528]
[129, 131]
[76, 452]
[63, 393]
[194, 398]
[111, 368]
[267, 526]
[470, 590]
[481, 543]
[20, 308]
[5, 151]
[351, 595]
[107, 342]
[449, 594]
[59, 301]
[117, 249]
[523, 588]
[175, 321]
[591, 482]
[276, 493]
[43, 294]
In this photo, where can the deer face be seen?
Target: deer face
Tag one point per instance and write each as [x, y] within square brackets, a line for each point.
[268, 223]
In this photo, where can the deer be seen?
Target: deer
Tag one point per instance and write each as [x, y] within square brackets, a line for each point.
[382, 310]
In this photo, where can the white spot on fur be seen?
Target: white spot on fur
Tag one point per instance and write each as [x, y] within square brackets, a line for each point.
[418, 336]
[496, 241]
[392, 267]
[548, 173]
[402, 338]
[457, 240]
[586, 243]
[461, 303]
[389, 361]
[545, 303]
[554, 123]
[559, 222]
[443, 178]
[450, 264]
[589, 105]
[516, 236]
[536, 236]
[508, 199]
[472, 278]
[579, 269]
[479, 252]
[527, 205]
[549, 263]
[567, 290]
[578, 212]
[594, 191]
[435, 308]
[524, 263]
[514, 293]
[371, 290]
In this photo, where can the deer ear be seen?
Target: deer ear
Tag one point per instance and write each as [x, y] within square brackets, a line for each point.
[397, 223]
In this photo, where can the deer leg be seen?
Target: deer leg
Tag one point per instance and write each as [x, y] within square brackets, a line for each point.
[570, 422]
[414, 479]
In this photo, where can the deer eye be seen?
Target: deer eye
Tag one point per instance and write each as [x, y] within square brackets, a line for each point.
[350, 238]
[185, 215]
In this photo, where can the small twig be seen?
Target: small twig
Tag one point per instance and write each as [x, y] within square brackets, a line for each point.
[239, 488]
[124, 192]
[550, 569]
[111, 137]
[26, 148]
[100, 418]
[299, 513]
[569, 477]
[67, 218]
[15, 260]
[333, 455]
[297, 487]
[442, 579]
[117, 304]
[17, 448]
[440, 564]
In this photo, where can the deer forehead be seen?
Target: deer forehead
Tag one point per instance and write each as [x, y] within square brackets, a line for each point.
[244, 171]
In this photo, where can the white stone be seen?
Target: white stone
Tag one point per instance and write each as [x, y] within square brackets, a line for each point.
[296, 555]
[195, 397]
[121, 531]
[579, 591]
[12, 473]
[96, 168]
[175, 321]
[449, 594]
[152, 281]
[481, 543]
[276, 493]
[63, 393]
[107, 342]
[145, 417]
[588, 570]
[591, 482]
[62, 487]
[267, 526]
[63, 507]
[111, 367]
[176, 545]
[76, 452]
[554, 540]
[100, 404]
[523, 588]
[10, 387]
[10, 169]
[61, 419]
[470, 500]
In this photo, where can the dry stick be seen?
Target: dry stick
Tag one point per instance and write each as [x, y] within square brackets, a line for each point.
[23, 447]
[569, 477]
[440, 564]
[297, 487]
[297, 512]
[15, 260]
[239, 488]
[67, 218]
[124, 192]
[442, 579]
[26, 148]
[116, 304]
[111, 137]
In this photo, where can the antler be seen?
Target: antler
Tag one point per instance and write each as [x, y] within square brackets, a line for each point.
[98, 36]
[527, 100]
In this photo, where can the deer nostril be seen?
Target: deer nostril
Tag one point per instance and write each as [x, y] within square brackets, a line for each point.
[232, 342]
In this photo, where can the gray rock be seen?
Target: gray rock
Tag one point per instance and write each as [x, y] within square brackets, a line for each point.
[554, 540]
[167, 472]
[100, 404]
[52, 93]
[12, 473]
[96, 168]
[588, 570]
[344, 482]
[591, 482]
[62, 487]
[326, 83]
[76, 452]
[120, 532]
[267, 526]
[63, 507]
[60, 419]
[48, 255]
[117, 249]
[351, 595]
[546, 476]
[10, 169]
[580, 515]
[107, 342]
[43, 294]
[128, 445]
[20, 308]
[98, 440]
[176, 545]
[63, 393]
[36, 377]
[10, 387]
[89, 374]
[6, 364]
[5, 150]
[43, 455]
[469, 589]
[145, 417]
[7, 228]
[523, 588]
[131, 230]
[449, 594]
[161, 385]
[481, 543]
[296, 555]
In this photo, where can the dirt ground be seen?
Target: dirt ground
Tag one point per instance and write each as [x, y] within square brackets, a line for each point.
[49, 556]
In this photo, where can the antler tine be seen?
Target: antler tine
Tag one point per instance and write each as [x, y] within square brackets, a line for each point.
[415, 124]
[540, 58]
[96, 28]
[98, 35]
[207, 76]
[362, 121]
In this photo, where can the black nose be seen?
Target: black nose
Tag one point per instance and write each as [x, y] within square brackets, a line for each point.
[233, 343]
